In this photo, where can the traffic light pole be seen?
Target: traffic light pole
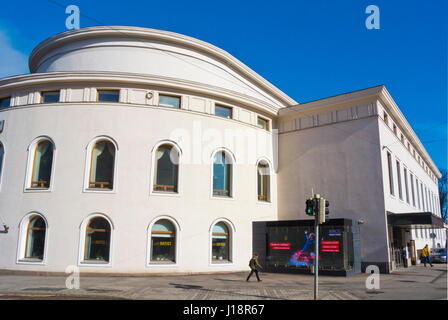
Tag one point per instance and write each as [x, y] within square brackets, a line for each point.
[316, 257]
[317, 207]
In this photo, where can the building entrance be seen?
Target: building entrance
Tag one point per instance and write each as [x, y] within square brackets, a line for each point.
[397, 247]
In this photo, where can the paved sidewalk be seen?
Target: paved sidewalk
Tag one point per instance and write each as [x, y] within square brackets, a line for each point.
[416, 282]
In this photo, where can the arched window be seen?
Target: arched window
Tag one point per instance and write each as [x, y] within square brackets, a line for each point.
[263, 181]
[32, 239]
[102, 165]
[35, 238]
[220, 243]
[2, 154]
[42, 165]
[163, 242]
[222, 174]
[97, 241]
[166, 169]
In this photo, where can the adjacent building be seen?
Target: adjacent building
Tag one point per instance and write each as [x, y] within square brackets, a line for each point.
[133, 150]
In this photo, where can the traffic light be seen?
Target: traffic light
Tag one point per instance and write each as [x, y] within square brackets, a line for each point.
[309, 207]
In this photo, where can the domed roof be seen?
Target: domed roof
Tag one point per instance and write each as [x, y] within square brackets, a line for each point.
[154, 53]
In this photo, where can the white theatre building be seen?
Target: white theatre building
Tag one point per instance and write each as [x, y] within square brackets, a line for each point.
[133, 150]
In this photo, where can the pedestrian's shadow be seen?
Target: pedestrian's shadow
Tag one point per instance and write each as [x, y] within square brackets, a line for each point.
[186, 286]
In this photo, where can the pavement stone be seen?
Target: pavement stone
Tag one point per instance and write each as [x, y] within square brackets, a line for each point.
[416, 282]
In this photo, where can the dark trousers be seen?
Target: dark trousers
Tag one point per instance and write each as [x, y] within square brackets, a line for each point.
[427, 259]
[251, 273]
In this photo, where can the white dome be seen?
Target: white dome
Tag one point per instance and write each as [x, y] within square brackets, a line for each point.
[153, 53]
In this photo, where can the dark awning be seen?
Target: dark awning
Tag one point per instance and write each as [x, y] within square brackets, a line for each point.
[423, 219]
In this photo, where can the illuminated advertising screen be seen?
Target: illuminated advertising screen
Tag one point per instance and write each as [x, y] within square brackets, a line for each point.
[294, 247]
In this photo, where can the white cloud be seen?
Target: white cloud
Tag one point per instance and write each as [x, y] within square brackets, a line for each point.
[12, 61]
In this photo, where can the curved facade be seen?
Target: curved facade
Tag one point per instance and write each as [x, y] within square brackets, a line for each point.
[110, 149]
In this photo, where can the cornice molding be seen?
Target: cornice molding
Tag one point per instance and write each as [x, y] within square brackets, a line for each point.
[124, 79]
[329, 102]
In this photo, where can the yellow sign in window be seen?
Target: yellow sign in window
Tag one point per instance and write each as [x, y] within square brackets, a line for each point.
[163, 243]
[219, 244]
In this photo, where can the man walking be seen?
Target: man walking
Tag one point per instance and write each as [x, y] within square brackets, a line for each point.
[253, 264]
[426, 255]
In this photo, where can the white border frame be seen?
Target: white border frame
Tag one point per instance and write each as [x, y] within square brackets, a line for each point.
[30, 163]
[179, 170]
[232, 231]
[269, 163]
[232, 174]
[23, 226]
[82, 241]
[148, 243]
[89, 147]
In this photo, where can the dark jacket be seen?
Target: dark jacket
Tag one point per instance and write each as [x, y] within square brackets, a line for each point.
[253, 263]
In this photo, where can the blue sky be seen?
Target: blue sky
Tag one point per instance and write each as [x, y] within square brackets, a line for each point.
[308, 49]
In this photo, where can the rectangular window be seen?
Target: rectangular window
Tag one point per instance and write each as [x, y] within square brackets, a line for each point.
[400, 193]
[402, 138]
[423, 197]
[430, 201]
[5, 102]
[224, 112]
[49, 96]
[386, 118]
[108, 96]
[434, 206]
[391, 177]
[263, 124]
[395, 129]
[412, 189]
[438, 205]
[169, 101]
[418, 194]
[406, 185]
[434, 203]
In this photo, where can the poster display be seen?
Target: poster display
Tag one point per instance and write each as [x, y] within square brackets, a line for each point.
[294, 247]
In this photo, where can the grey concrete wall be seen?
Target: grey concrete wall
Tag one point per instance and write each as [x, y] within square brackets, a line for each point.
[342, 162]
